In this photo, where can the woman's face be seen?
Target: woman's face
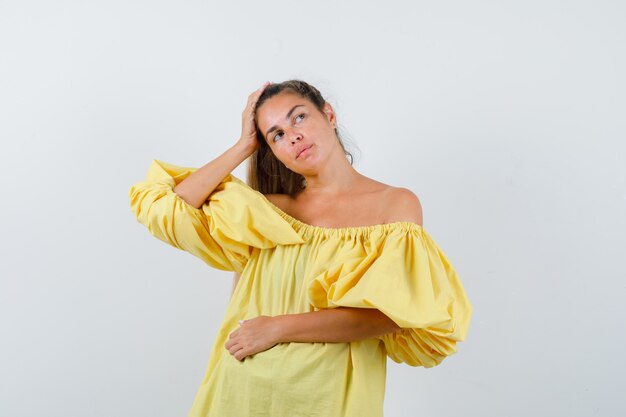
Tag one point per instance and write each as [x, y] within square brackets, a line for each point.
[291, 124]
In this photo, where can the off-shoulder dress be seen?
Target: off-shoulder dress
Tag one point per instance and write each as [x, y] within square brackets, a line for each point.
[287, 267]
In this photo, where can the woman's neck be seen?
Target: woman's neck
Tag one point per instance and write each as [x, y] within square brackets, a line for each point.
[335, 178]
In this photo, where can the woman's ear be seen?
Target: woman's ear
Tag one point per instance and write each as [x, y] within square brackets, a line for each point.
[330, 113]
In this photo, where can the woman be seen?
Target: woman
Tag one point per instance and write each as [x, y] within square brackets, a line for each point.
[337, 271]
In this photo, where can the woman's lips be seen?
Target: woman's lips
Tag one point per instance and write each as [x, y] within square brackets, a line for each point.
[303, 151]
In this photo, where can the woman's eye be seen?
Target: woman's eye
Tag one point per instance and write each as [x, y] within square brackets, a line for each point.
[276, 135]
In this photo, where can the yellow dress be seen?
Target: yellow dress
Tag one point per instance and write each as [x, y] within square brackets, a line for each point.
[288, 267]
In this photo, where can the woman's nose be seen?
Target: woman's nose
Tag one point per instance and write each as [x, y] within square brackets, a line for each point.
[295, 136]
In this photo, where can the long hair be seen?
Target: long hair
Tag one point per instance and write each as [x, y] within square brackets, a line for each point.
[266, 173]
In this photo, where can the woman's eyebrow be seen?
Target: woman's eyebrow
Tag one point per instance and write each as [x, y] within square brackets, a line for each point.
[271, 129]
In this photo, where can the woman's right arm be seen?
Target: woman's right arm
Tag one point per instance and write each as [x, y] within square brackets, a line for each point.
[198, 186]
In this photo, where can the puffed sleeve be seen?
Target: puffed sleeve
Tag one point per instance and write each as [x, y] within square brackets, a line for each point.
[233, 222]
[408, 278]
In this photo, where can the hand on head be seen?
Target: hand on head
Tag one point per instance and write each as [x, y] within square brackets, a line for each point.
[248, 137]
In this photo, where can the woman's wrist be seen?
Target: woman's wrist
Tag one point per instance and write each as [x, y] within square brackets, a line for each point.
[281, 328]
[243, 149]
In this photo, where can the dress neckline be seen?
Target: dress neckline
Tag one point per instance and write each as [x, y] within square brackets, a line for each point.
[299, 224]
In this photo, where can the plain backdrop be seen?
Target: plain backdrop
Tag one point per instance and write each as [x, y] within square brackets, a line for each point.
[506, 119]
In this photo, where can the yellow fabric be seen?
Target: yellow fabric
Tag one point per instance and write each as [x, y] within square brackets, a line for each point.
[288, 267]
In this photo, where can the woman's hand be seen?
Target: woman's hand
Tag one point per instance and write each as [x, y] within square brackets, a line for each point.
[255, 335]
[248, 138]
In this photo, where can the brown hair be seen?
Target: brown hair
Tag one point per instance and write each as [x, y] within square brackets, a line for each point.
[266, 173]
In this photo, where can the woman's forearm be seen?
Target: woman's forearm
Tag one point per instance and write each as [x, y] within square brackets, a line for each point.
[196, 188]
[340, 324]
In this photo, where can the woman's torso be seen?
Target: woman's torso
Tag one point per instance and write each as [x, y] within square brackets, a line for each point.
[336, 379]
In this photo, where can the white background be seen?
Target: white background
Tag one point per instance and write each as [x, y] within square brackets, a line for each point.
[507, 119]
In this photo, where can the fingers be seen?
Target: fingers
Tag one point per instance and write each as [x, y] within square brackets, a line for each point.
[256, 93]
[253, 98]
[259, 90]
[236, 349]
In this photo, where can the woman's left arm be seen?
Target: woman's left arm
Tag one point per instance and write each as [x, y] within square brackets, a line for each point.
[339, 324]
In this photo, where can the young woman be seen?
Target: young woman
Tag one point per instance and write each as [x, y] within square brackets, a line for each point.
[337, 272]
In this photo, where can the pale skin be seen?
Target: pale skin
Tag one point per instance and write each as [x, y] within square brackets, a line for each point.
[336, 195]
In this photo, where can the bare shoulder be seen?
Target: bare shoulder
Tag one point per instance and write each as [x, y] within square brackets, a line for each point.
[403, 205]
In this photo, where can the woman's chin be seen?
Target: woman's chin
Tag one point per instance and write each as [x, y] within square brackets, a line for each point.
[305, 168]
